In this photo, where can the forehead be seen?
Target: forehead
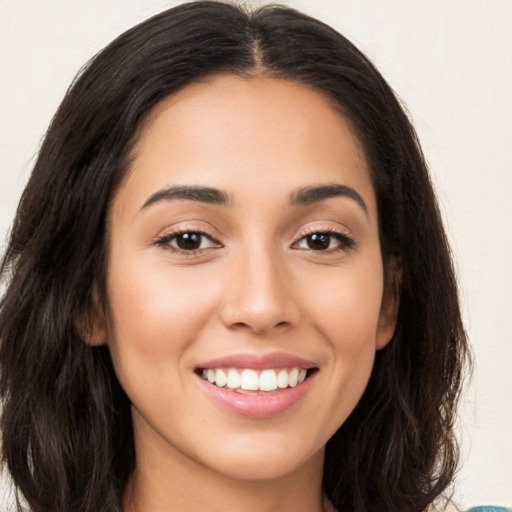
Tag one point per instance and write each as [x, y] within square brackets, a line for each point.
[242, 134]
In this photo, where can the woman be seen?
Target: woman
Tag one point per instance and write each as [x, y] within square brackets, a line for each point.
[228, 284]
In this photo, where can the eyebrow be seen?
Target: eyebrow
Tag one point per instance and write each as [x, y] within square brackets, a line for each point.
[301, 197]
[308, 195]
[189, 192]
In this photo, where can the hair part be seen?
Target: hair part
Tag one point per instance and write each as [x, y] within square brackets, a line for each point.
[67, 436]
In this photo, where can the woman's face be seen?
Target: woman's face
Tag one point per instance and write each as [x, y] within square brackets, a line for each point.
[245, 278]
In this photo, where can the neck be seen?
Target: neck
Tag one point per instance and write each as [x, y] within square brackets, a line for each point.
[165, 479]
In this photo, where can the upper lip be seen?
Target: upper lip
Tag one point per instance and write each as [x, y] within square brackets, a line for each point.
[258, 361]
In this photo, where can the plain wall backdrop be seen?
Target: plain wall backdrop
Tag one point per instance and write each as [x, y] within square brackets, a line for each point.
[451, 63]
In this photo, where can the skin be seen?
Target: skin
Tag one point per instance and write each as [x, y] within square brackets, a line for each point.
[254, 286]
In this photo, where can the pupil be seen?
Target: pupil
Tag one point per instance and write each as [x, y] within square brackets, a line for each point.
[189, 241]
[319, 241]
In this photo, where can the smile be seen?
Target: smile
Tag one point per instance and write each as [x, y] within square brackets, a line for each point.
[257, 385]
[255, 381]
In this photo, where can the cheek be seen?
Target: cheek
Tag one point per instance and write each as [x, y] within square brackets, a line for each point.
[343, 309]
[347, 316]
[348, 306]
[155, 313]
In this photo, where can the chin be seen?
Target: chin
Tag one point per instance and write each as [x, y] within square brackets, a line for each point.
[265, 460]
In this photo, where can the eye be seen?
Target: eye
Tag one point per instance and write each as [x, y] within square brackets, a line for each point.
[325, 241]
[187, 241]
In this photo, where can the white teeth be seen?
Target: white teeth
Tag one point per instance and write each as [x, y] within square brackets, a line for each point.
[268, 380]
[282, 379]
[253, 380]
[249, 380]
[220, 378]
[233, 379]
[293, 378]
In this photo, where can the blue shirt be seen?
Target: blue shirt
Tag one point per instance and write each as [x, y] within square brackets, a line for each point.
[489, 509]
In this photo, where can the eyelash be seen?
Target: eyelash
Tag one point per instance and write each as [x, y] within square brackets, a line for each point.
[345, 242]
[165, 241]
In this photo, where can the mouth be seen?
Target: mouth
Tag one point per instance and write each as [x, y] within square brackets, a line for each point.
[257, 385]
[256, 381]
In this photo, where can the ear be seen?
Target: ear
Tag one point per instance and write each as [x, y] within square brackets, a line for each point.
[92, 324]
[390, 303]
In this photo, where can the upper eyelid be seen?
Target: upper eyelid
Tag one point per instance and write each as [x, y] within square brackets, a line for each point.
[166, 238]
[181, 229]
[346, 239]
[328, 229]
[301, 233]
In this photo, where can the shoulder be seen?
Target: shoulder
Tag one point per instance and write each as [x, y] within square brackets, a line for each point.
[480, 508]
[488, 508]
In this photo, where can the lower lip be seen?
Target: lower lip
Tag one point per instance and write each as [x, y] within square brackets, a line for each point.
[254, 405]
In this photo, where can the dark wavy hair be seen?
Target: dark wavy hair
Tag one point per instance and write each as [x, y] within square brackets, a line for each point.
[66, 427]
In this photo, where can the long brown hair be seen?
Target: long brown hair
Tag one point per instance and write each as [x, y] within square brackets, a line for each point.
[66, 425]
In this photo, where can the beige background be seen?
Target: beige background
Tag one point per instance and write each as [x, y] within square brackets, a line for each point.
[450, 61]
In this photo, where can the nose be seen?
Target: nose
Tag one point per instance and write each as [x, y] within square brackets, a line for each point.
[259, 297]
